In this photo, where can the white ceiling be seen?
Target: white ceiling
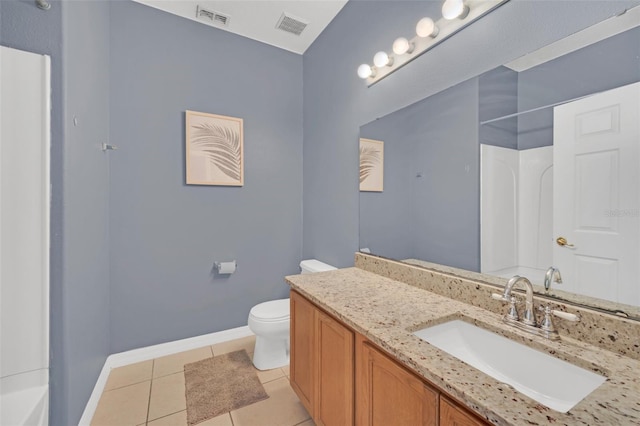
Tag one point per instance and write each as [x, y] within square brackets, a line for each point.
[257, 19]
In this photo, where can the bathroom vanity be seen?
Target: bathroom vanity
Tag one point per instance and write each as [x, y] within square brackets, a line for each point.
[355, 358]
[379, 390]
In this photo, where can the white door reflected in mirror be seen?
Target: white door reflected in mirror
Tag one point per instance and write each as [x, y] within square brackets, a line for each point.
[596, 194]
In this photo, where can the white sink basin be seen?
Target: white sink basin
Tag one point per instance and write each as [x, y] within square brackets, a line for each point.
[550, 381]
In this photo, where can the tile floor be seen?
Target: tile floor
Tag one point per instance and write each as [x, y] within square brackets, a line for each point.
[152, 393]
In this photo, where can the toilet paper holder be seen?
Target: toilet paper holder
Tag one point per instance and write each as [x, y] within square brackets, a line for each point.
[226, 267]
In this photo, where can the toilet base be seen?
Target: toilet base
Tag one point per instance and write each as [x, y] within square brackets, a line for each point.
[270, 353]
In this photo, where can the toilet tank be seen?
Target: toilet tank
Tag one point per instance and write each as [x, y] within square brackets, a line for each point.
[310, 266]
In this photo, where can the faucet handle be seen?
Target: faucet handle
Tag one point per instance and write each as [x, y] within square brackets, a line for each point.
[499, 297]
[547, 323]
[513, 311]
[566, 315]
[560, 314]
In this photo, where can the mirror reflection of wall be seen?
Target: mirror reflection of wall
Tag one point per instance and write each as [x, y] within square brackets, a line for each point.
[430, 208]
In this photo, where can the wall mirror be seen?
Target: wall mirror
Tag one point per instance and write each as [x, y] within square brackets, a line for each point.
[533, 164]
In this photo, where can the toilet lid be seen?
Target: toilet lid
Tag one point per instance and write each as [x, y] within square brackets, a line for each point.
[272, 310]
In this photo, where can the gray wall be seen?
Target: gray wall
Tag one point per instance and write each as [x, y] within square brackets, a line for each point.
[166, 235]
[386, 219]
[446, 205]
[79, 264]
[134, 222]
[336, 102]
[433, 216]
[334, 109]
[85, 300]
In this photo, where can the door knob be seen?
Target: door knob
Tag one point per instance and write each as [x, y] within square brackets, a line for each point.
[562, 241]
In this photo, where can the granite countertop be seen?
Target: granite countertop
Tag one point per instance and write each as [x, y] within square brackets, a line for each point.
[387, 312]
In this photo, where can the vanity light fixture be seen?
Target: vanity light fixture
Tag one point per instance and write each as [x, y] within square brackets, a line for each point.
[456, 15]
[366, 71]
[452, 9]
[426, 28]
[401, 46]
[381, 59]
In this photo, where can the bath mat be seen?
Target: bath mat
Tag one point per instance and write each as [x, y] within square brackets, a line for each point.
[220, 384]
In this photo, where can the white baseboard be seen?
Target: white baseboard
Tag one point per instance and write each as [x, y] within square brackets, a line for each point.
[150, 352]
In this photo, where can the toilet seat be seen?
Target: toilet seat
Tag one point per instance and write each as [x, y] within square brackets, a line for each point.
[271, 311]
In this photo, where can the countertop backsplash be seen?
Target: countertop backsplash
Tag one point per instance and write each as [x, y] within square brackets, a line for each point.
[615, 334]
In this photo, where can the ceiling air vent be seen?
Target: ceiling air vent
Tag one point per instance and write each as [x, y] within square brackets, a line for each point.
[291, 24]
[212, 16]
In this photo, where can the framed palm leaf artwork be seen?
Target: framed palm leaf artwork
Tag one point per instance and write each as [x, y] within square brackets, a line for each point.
[371, 165]
[214, 149]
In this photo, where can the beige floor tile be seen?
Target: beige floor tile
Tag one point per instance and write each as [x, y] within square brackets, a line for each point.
[174, 363]
[283, 408]
[123, 406]
[269, 375]
[246, 343]
[130, 398]
[221, 420]
[176, 419]
[180, 419]
[129, 375]
[167, 396]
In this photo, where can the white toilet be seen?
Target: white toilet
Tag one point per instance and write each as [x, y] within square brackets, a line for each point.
[269, 321]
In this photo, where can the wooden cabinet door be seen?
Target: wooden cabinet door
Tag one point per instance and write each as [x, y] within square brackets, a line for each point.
[387, 394]
[302, 349]
[335, 370]
[452, 415]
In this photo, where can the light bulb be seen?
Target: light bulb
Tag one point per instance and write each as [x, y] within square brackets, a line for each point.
[426, 28]
[365, 71]
[402, 46]
[452, 9]
[381, 59]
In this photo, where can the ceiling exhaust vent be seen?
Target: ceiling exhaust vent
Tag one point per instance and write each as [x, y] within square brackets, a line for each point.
[212, 17]
[291, 24]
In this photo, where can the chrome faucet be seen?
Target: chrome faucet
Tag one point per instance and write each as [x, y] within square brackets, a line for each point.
[528, 317]
[529, 324]
[552, 274]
